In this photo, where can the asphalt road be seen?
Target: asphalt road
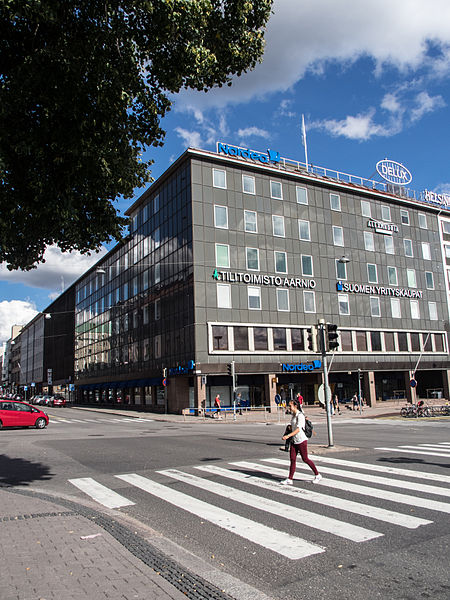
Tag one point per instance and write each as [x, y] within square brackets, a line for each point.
[374, 527]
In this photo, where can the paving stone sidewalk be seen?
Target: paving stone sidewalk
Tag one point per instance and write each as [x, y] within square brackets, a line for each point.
[48, 552]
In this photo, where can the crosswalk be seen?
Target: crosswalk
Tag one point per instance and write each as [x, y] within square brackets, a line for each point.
[344, 505]
[57, 420]
[440, 449]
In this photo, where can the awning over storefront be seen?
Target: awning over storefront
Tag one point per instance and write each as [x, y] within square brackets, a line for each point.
[128, 383]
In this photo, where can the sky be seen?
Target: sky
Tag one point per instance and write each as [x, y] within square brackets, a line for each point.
[371, 78]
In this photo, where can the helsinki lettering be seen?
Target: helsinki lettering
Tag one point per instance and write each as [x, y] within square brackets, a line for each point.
[271, 155]
[433, 198]
[256, 279]
[359, 288]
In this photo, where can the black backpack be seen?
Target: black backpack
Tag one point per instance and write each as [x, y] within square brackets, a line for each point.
[308, 428]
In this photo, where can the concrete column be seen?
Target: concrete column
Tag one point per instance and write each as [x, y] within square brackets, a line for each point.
[446, 384]
[199, 395]
[177, 394]
[270, 390]
[368, 388]
[411, 393]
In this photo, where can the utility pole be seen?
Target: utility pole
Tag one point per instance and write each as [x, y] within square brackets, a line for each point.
[232, 373]
[359, 391]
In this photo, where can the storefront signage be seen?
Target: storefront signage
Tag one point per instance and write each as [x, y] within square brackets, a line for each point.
[316, 364]
[442, 200]
[376, 290]
[255, 279]
[235, 151]
[182, 369]
[381, 227]
[393, 172]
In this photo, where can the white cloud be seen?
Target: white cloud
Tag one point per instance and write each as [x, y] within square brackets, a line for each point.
[191, 139]
[253, 132]
[360, 127]
[425, 104]
[59, 271]
[14, 312]
[442, 188]
[308, 35]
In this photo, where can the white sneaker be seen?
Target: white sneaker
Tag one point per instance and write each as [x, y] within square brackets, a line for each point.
[317, 478]
[287, 482]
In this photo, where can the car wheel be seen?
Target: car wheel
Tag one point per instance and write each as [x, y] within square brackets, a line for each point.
[1, 425]
[40, 423]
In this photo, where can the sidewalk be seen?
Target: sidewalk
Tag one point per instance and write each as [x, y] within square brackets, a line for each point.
[55, 550]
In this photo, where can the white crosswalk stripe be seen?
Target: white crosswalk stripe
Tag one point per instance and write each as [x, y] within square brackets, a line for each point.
[293, 504]
[110, 421]
[278, 541]
[419, 450]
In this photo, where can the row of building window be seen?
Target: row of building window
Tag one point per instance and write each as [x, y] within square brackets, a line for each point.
[309, 302]
[276, 192]
[231, 338]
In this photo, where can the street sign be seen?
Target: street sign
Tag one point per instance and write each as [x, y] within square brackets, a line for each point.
[49, 376]
[164, 382]
[25, 387]
[33, 384]
[277, 398]
[413, 383]
[321, 393]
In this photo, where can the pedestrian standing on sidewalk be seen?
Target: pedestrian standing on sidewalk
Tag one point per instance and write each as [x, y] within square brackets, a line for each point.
[217, 405]
[335, 403]
[299, 443]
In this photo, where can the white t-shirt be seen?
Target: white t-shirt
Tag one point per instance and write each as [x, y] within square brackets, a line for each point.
[298, 421]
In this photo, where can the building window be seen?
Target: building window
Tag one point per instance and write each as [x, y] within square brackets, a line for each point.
[283, 299]
[375, 306]
[252, 259]
[395, 308]
[341, 270]
[220, 337]
[402, 342]
[145, 281]
[302, 195]
[250, 221]
[223, 295]
[415, 342]
[221, 217]
[219, 179]
[432, 309]
[280, 262]
[369, 242]
[260, 338]
[248, 184]
[438, 342]
[404, 217]
[411, 278]
[157, 309]
[375, 340]
[407, 244]
[415, 311]
[276, 190]
[389, 244]
[297, 341]
[254, 298]
[156, 204]
[346, 340]
[223, 256]
[309, 301]
[240, 338]
[135, 286]
[278, 225]
[365, 208]
[145, 314]
[338, 236]
[392, 275]
[158, 348]
[423, 221]
[447, 251]
[304, 230]
[279, 338]
[372, 275]
[361, 341]
[307, 265]
[157, 237]
[344, 306]
[429, 279]
[385, 213]
[389, 341]
[426, 341]
[426, 251]
[335, 202]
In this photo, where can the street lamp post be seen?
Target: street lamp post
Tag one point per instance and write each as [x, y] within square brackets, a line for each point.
[322, 328]
[359, 390]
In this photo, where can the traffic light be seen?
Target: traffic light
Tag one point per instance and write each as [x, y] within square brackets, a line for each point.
[230, 368]
[332, 337]
[312, 338]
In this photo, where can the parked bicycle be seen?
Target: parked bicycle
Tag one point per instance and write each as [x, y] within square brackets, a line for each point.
[416, 410]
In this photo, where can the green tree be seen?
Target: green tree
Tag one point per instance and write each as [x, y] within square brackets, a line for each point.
[83, 88]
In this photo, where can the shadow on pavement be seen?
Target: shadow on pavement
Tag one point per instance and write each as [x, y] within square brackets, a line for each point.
[251, 441]
[17, 471]
[411, 461]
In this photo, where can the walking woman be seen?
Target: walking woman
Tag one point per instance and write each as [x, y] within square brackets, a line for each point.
[299, 443]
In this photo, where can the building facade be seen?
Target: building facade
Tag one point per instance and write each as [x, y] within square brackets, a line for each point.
[233, 255]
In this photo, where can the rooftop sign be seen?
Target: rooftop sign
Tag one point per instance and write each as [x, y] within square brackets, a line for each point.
[393, 172]
[235, 151]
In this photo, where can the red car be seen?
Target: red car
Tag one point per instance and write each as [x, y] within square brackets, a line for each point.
[21, 414]
[59, 401]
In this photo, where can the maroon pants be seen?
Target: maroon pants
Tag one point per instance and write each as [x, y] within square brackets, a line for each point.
[303, 449]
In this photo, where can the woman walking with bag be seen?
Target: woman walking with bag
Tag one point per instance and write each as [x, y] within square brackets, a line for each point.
[299, 443]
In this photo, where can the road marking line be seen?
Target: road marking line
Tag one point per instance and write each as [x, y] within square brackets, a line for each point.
[351, 506]
[381, 469]
[278, 541]
[405, 485]
[100, 493]
[375, 492]
[305, 517]
[405, 451]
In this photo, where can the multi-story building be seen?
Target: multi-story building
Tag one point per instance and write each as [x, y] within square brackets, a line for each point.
[233, 255]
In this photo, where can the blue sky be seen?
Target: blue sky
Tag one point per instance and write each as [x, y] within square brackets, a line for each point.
[372, 79]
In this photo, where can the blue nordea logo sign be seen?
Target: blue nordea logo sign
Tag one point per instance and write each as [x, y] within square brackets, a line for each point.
[316, 364]
[271, 155]
[393, 172]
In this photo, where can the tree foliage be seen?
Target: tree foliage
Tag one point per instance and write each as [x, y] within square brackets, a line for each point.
[83, 87]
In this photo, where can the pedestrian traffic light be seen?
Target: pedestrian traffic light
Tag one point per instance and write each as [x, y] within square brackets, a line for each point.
[332, 337]
[230, 368]
[312, 338]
